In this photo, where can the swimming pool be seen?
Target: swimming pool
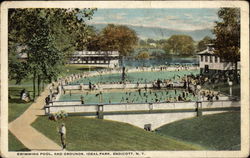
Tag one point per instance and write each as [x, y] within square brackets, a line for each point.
[128, 96]
[134, 77]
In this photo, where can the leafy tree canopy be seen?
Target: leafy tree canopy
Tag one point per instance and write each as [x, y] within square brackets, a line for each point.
[48, 37]
[227, 32]
[202, 45]
[143, 55]
[114, 38]
[62, 30]
[180, 45]
[150, 40]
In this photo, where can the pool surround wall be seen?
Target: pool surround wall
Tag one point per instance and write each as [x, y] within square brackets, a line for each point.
[156, 114]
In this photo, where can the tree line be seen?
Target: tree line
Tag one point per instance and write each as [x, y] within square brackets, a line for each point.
[179, 45]
[50, 36]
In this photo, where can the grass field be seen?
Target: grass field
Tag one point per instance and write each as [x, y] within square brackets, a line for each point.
[214, 132]
[75, 69]
[15, 144]
[135, 77]
[88, 134]
[122, 96]
[16, 105]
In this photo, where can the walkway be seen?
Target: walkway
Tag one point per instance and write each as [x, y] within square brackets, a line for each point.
[30, 137]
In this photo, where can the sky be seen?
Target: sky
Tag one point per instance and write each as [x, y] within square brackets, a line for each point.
[171, 18]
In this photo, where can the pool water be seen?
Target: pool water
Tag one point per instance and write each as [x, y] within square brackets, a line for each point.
[130, 96]
[135, 77]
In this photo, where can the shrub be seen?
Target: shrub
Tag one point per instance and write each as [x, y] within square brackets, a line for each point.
[59, 115]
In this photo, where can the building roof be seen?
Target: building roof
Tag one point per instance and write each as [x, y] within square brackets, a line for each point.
[208, 51]
[95, 53]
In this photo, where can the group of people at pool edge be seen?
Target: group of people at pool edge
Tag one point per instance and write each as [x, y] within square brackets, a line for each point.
[186, 94]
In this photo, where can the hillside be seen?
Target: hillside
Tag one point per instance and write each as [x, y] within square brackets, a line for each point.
[162, 33]
[214, 132]
[87, 134]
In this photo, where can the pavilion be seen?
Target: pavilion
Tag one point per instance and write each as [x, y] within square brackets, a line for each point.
[108, 59]
[209, 62]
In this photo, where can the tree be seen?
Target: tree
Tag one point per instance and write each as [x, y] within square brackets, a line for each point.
[227, 32]
[17, 68]
[143, 55]
[115, 38]
[161, 43]
[45, 59]
[202, 45]
[142, 42]
[94, 43]
[48, 36]
[180, 45]
[150, 40]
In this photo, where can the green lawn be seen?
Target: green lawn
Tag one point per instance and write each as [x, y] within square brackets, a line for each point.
[16, 108]
[75, 69]
[135, 77]
[15, 144]
[214, 132]
[88, 134]
[16, 105]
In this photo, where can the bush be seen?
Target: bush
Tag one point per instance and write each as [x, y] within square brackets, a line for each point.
[59, 115]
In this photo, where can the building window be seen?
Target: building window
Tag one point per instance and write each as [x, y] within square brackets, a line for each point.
[211, 59]
[201, 57]
[215, 59]
[205, 58]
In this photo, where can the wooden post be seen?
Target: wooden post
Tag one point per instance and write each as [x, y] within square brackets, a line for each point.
[199, 108]
[100, 112]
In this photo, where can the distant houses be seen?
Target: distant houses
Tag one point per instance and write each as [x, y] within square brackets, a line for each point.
[209, 62]
[96, 58]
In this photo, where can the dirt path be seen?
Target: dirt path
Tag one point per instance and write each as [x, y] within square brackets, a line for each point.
[30, 137]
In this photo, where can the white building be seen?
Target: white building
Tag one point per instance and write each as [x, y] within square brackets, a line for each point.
[96, 58]
[209, 61]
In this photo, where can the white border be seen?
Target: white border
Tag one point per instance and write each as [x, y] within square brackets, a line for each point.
[244, 152]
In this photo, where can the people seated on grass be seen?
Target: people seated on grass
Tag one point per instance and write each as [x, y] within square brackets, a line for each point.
[24, 95]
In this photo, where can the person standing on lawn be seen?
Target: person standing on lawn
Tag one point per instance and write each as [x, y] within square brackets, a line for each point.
[62, 132]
